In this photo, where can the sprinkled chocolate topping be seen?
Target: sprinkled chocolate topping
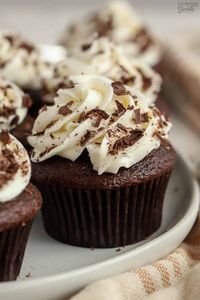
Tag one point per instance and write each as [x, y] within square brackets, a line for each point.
[88, 135]
[127, 80]
[130, 139]
[64, 110]
[6, 111]
[147, 81]
[143, 39]
[85, 47]
[27, 46]
[120, 110]
[118, 88]
[140, 118]
[4, 137]
[98, 115]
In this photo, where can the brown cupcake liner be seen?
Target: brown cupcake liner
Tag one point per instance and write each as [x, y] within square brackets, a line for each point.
[103, 218]
[12, 247]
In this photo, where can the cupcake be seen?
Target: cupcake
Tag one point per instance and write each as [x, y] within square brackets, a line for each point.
[103, 57]
[118, 21]
[102, 161]
[14, 105]
[22, 63]
[19, 203]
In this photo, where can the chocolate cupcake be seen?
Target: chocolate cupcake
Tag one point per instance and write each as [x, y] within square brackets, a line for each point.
[119, 22]
[14, 105]
[103, 57]
[102, 161]
[22, 63]
[19, 203]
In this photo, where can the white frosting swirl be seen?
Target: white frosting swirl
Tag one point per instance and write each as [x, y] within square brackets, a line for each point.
[14, 104]
[15, 167]
[103, 57]
[111, 121]
[21, 62]
[119, 22]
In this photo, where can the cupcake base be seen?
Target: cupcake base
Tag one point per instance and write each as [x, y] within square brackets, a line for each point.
[16, 217]
[104, 218]
[12, 247]
[83, 209]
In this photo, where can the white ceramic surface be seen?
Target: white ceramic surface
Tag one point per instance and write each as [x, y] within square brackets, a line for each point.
[53, 271]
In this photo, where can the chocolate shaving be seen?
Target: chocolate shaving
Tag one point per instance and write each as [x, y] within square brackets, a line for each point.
[143, 39]
[81, 117]
[122, 127]
[146, 81]
[4, 137]
[120, 109]
[8, 166]
[86, 137]
[64, 110]
[26, 100]
[98, 115]
[126, 141]
[27, 46]
[7, 111]
[118, 88]
[127, 80]
[140, 118]
[85, 47]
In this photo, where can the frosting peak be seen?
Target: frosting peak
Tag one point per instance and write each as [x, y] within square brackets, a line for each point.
[15, 167]
[112, 121]
[14, 104]
[21, 62]
[103, 57]
[119, 22]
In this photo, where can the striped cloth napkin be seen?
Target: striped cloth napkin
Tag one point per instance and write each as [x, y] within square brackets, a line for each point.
[175, 277]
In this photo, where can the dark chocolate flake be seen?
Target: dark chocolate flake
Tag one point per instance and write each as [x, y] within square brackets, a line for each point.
[64, 110]
[126, 141]
[88, 135]
[118, 88]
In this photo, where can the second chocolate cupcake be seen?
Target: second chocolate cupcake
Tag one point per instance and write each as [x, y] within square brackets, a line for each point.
[102, 161]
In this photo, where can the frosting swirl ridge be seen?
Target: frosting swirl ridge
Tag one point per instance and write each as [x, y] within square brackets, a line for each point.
[103, 57]
[112, 121]
[22, 62]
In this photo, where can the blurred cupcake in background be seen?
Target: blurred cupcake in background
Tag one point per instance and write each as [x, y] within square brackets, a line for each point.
[102, 160]
[22, 63]
[14, 105]
[19, 203]
[118, 21]
[103, 57]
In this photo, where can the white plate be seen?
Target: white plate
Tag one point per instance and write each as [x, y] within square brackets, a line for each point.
[52, 270]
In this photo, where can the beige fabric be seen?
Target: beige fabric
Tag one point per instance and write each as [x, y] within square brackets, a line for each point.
[175, 277]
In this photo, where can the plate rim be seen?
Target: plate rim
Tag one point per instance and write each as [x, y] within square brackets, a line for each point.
[192, 210]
